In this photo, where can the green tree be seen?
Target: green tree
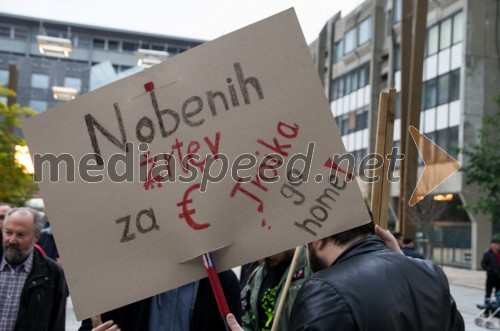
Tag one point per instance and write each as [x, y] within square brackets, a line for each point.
[483, 166]
[15, 184]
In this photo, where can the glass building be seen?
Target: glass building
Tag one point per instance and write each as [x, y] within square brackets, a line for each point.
[358, 56]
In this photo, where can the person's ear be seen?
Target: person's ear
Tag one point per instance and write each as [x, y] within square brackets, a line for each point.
[319, 245]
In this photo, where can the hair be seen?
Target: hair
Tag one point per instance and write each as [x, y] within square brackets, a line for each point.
[39, 220]
[346, 236]
[407, 241]
[398, 235]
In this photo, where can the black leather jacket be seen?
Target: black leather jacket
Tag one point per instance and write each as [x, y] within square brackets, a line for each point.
[370, 287]
[43, 299]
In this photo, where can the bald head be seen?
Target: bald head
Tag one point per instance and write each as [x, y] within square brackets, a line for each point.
[37, 217]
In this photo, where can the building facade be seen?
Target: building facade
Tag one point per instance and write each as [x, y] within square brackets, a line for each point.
[358, 56]
[97, 57]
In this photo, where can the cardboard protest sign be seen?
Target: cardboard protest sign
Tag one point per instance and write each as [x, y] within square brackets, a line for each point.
[138, 195]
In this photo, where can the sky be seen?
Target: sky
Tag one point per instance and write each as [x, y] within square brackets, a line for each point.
[195, 19]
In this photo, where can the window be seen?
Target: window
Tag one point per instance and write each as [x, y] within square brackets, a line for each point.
[172, 50]
[20, 33]
[337, 52]
[345, 125]
[445, 34]
[361, 120]
[113, 45]
[341, 87]
[432, 40]
[397, 57]
[98, 43]
[443, 89]
[350, 82]
[453, 141]
[430, 93]
[81, 41]
[396, 9]
[128, 46]
[4, 77]
[4, 31]
[365, 31]
[397, 106]
[441, 139]
[394, 164]
[363, 76]
[55, 33]
[455, 85]
[458, 27]
[334, 93]
[347, 84]
[38, 105]
[73, 82]
[157, 47]
[354, 81]
[40, 81]
[350, 41]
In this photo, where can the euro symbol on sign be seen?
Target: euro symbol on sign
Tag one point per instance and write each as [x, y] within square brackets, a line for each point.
[186, 213]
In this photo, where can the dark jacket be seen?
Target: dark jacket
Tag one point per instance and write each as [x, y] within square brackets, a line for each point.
[48, 243]
[489, 263]
[204, 314]
[43, 299]
[370, 287]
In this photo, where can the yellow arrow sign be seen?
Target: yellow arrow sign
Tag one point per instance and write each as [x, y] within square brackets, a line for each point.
[439, 165]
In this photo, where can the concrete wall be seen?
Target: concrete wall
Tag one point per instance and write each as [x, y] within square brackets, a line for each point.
[482, 69]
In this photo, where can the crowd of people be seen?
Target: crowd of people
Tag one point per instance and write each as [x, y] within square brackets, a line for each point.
[358, 279]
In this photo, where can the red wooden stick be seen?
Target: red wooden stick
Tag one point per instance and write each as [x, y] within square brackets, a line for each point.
[216, 287]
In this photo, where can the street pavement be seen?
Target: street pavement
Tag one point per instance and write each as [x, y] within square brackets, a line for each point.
[467, 287]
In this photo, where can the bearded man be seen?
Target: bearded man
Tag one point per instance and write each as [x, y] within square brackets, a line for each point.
[363, 282]
[32, 287]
